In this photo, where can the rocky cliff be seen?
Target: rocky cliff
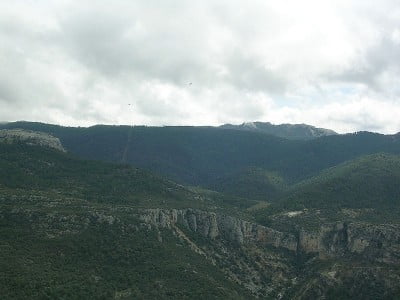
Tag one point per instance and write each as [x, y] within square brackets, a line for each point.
[380, 243]
[299, 265]
[269, 263]
[213, 226]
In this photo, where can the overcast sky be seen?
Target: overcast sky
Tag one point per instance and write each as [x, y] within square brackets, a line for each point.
[332, 64]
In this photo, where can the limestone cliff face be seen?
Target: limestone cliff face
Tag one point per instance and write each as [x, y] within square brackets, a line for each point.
[31, 138]
[253, 263]
[376, 242]
[379, 243]
[330, 239]
[212, 225]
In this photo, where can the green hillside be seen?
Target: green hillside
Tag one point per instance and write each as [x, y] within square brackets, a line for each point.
[38, 168]
[204, 155]
[368, 182]
[55, 250]
[254, 183]
[364, 190]
[68, 231]
[34, 168]
[191, 155]
[223, 160]
[77, 229]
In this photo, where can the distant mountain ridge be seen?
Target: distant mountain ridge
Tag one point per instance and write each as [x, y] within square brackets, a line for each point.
[288, 131]
[247, 163]
[190, 147]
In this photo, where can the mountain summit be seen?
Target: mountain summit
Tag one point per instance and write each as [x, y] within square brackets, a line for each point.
[288, 131]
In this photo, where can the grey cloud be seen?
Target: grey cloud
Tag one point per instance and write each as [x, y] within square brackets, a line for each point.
[96, 56]
[384, 57]
[249, 74]
[21, 88]
[115, 45]
[177, 51]
[364, 121]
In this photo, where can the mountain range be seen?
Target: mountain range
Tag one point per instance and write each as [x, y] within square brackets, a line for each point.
[122, 212]
[214, 157]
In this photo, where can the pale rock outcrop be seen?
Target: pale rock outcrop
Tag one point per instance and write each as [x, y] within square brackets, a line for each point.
[212, 225]
[31, 138]
[379, 243]
[376, 242]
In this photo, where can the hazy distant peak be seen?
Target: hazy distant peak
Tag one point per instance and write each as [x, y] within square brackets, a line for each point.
[249, 125]
[289, 131]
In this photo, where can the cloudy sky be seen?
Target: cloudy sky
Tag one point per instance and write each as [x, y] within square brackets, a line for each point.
[333, 64]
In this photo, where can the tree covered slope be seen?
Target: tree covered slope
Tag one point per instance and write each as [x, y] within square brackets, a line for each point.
[69, 228]
[371, 181]
[212, 157]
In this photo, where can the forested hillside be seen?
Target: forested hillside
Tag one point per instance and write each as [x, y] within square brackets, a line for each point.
[371, 181]
[208, 156]
[80, 229]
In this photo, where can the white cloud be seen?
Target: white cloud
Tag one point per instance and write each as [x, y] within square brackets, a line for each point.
[333, 64]
[355, 115]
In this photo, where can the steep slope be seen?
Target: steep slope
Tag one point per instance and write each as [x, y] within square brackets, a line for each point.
[287, 131]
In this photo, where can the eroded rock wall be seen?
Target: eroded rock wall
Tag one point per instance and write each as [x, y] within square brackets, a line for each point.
[212, 225]
[379, 243]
